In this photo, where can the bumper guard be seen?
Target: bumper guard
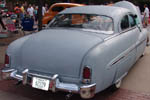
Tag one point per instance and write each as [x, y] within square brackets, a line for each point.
[85, 91]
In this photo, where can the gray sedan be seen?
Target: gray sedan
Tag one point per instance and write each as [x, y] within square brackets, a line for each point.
[84, 50]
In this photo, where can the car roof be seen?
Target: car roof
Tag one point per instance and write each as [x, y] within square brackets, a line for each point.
[116, 13]
[110, 11]
[67, 4]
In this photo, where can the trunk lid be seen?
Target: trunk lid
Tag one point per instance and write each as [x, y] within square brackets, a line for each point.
[57, 51]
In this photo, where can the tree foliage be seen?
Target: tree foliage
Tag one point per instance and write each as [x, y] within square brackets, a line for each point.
[77, 1]
[97, 2]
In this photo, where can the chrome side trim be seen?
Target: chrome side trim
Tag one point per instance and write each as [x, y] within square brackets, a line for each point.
[124, 54]
[110, 37]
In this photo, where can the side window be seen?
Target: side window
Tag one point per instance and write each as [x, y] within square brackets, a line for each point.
[125, 23]
[132, 21]
[57, 9]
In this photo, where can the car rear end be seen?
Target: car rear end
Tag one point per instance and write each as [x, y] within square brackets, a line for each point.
[55, 82]
[58, 67]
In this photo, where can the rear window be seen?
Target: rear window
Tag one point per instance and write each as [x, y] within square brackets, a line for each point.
[57, 9]
[84, 21]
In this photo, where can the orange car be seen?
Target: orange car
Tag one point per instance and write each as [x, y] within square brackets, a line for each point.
[55, 9]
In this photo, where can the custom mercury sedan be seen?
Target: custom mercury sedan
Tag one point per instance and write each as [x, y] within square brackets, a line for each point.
[84, 50]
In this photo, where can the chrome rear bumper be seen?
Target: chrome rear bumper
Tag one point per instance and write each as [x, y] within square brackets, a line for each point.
[85, 91]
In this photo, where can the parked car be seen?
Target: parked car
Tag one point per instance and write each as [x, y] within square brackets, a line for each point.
[55, 9]
[84, 50]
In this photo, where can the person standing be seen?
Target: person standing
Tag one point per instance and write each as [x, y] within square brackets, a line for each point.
[46, 7]
[22, 11]
[43, 11]
[36, 14]
[1, 22]
[17, 10]
[146, 15]
[30, 11]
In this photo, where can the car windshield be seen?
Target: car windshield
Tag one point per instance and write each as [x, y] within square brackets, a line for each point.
[84, 21]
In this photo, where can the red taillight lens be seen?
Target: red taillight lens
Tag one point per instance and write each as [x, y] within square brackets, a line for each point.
[6, 59]
[86, 73]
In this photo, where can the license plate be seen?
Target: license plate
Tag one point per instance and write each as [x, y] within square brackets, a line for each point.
[40, 83]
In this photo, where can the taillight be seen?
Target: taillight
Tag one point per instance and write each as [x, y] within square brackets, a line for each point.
[86, 74]
[6, 60]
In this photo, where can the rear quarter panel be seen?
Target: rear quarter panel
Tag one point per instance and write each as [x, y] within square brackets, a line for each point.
[102, 57]
[98, 59]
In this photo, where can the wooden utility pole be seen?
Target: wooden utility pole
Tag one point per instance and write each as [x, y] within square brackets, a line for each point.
[40, 4]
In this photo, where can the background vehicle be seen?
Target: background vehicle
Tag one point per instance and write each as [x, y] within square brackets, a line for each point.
[55, 9]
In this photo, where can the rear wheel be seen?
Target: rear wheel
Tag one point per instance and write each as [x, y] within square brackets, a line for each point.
[142, 55]
[116, 86]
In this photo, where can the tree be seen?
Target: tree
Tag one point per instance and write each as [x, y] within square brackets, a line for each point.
[40, 4]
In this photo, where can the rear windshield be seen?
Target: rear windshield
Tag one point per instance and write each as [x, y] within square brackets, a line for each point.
[57, 9]
[85, 21]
